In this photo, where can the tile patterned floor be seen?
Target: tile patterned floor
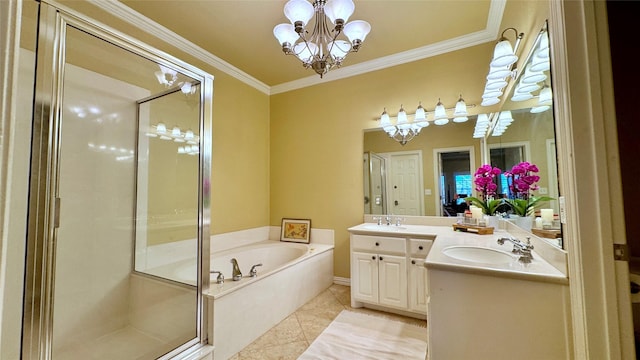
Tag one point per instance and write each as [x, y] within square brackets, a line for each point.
[290, 338]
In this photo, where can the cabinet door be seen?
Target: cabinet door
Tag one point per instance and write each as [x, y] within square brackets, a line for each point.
[418, 292]
[364, 277]
[393, 280]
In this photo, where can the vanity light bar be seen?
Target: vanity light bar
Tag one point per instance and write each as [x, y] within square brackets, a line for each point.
[502, 68]
[417, 117]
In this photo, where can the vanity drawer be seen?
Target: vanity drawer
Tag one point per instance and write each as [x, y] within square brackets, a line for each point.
[378, 243]
[419, 247]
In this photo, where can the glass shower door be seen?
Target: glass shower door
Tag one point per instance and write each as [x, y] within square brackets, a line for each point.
[121, 235]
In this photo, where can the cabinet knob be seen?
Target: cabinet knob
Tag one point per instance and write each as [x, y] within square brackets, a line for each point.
[420, 247]
[381, 258]
[377, 244]
[373, 257]
[413, 262]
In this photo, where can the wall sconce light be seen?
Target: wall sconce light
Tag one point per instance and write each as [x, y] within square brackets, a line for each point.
[501, 68]
[534, 73]
[482, 125]
[409, 126]
[166, 76]
[188, 88]
[503, 121]
[545, 99]
[176, 135]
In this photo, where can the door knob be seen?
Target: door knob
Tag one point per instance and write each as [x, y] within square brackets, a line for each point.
[396, 202]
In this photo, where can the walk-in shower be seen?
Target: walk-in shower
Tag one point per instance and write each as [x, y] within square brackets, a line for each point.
[120, 173]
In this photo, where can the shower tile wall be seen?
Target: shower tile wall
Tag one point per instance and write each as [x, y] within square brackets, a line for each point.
[95, 237]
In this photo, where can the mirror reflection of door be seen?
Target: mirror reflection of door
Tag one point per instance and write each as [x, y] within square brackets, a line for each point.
[374, 184]
[455, 180]
[404, 183]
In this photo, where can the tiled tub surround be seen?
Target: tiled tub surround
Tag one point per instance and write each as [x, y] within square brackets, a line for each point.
[240, 312]
[530, 302]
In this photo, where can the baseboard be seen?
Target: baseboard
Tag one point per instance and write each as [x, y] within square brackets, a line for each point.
[341, 281]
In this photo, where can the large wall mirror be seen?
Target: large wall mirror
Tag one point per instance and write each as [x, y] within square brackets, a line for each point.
[432, 173]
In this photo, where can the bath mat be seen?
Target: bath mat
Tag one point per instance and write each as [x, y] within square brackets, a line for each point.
[354, 335]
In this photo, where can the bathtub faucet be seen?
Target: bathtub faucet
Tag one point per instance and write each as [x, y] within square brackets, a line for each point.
[237, 274]
[254, 272]
[219, 278]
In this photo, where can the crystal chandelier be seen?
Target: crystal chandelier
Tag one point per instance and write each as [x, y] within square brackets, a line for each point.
[321, 49]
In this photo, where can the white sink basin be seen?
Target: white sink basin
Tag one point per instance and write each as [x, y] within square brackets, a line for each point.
[376, 227]
[478, 254]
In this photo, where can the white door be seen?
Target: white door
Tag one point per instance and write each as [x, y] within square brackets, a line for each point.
[364, 277]
[405, 184]
[393, 280]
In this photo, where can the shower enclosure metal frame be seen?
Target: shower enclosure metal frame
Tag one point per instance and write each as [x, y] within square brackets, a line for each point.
[44, 205]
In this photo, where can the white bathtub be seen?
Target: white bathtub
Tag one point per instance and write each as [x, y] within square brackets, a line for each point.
[273, 255]
[241, 311]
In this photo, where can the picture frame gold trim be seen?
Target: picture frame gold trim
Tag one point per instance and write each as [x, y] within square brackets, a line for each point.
[295, 230]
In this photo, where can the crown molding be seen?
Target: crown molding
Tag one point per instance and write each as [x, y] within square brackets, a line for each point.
[142, 22]
[404, 57]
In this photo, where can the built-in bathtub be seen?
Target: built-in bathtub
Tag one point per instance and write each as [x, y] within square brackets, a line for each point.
[241, 311]
[273, 255]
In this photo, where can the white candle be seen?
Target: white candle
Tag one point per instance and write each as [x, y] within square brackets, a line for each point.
[546, 215]
[476, 212]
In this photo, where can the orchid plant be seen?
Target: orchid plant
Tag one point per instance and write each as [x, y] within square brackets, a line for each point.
[484, 180]
[522, 181]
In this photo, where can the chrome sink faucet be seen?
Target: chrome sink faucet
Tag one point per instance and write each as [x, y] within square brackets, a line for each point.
[519, 247]
[388, 220]
[237, 274]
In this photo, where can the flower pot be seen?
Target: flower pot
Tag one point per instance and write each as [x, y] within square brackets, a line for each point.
[524, 222]
[492, 221]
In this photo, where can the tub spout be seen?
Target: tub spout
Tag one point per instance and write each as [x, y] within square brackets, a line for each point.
[237, 274]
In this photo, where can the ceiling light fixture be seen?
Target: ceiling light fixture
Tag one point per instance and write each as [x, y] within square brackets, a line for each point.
[501, 68]
[409, 126]
[321, 50]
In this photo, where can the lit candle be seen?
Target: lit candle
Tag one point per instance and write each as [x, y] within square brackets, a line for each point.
[546, 215]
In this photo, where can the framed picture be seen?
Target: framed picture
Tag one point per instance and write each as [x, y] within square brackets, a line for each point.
[295, 230]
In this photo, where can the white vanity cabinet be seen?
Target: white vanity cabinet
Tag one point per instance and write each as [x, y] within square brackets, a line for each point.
[388, 271]
[418, 286]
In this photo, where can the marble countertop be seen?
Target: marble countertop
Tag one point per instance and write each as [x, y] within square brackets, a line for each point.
[538, 270]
